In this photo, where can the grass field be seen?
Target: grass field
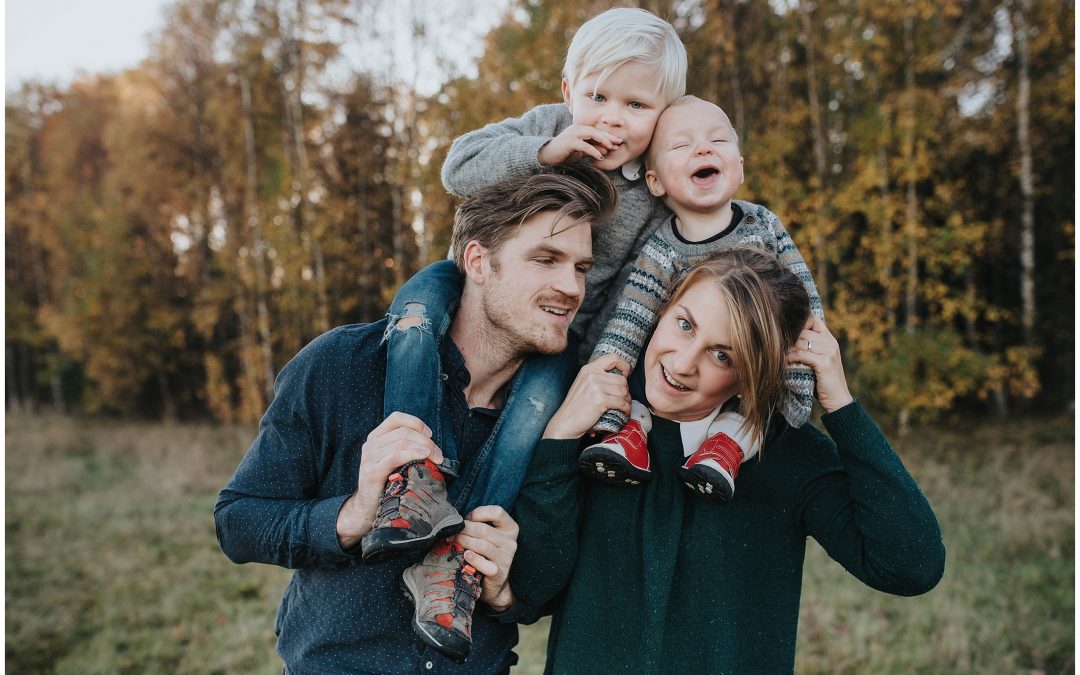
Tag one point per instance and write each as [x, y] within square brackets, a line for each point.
[112, 565]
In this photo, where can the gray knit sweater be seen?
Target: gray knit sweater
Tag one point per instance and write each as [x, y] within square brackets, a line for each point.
[666, 255]
[509, 148]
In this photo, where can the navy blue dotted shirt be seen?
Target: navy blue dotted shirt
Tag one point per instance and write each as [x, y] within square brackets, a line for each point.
[280, 507]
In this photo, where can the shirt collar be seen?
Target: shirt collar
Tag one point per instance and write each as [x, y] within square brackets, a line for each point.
[454, 365]
[458, 376]
[632, 169]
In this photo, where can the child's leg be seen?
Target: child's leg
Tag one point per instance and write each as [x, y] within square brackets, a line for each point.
[613, 421]
[712, 469]
[444, 587]
[419, 317]
[498, 470]
[621, 458]
[414, 511]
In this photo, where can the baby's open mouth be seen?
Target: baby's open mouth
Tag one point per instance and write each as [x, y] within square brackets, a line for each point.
[706, 172]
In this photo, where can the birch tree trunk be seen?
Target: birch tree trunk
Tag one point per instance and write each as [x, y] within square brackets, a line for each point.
[258, 246]
[817, 134]
[1027, 189]
[295, 117]
[911, 211]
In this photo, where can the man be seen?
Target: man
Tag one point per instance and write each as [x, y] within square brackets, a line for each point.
[310, 486]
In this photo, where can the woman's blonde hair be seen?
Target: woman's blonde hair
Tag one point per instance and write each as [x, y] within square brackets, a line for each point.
[769, 307]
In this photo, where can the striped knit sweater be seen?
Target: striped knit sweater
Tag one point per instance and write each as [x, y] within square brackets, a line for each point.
[666, 255]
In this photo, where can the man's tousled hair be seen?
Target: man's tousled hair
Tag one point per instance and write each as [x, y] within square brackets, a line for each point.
[574, 193]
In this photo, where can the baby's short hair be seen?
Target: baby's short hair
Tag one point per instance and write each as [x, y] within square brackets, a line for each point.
[624, 34]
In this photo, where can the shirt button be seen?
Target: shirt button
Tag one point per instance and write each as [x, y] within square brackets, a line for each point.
[444, 377]
[429, 665]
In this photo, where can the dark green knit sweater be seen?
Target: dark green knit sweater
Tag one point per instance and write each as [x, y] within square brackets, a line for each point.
[661, 581]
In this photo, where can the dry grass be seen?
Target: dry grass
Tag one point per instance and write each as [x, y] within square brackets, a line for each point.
[112, 565]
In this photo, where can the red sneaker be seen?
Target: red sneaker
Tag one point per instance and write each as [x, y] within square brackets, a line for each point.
[712, 469]
[621, 458]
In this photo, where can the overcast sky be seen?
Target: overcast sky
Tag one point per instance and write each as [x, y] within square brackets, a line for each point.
[53, 40]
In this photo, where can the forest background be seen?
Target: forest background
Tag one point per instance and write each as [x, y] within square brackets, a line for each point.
[177, 231]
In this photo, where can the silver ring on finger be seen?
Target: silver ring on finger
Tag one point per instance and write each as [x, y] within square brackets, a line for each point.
[809, 346]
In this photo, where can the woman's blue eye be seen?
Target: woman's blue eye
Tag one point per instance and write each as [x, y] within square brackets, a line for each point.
[684, 324]
[722, 357]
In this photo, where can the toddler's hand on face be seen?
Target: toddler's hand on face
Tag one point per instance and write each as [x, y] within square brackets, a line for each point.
[575, 142]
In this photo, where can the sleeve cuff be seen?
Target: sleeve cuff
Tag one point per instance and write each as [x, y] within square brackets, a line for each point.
[851, 426]
[553, 453]
[519, 612]
[323, 528]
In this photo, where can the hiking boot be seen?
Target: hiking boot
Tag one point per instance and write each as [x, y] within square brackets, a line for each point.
[621, 458]
[444, 589]
[711, 471]
[413, 513]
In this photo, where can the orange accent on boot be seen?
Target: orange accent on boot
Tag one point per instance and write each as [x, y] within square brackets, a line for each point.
[394, 477]
[441, 547]
[400, 522]
[444, 620]
[433, 469]
[468, 569]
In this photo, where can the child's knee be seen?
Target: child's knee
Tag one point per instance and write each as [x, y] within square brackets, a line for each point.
[413, 315]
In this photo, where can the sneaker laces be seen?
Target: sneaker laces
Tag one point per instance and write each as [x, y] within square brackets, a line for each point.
[457, 597]
[397, 485]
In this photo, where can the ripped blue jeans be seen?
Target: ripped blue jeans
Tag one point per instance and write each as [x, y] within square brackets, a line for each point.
[425, 305]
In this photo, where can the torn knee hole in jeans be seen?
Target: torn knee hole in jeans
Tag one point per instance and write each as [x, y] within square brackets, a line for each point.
[414, 316]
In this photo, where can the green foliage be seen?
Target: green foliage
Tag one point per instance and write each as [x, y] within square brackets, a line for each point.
[923, 373]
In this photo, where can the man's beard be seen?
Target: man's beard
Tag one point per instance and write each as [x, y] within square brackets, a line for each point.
[506, 335]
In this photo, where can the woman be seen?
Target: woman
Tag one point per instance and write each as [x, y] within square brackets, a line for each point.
[654, 579]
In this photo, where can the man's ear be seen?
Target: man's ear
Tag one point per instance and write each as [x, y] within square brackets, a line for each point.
[653, 183]
[473, 259]
[567, 95]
